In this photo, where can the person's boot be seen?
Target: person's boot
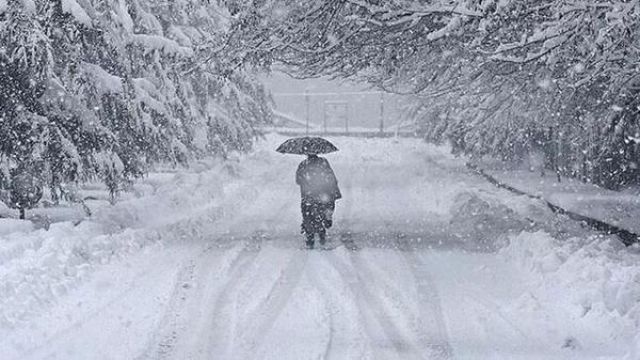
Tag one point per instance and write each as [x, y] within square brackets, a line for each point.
[310, 241]
[323, 237]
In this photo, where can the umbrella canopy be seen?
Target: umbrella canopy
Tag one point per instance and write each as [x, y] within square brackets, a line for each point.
[306, 145]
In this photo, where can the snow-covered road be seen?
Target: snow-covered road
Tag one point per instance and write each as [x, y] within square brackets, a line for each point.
[412, 272]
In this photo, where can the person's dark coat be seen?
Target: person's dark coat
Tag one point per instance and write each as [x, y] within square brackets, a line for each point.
[319, 190]
[317, 180]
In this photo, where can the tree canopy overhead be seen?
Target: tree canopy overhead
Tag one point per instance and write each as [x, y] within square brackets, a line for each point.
[383, 40]
[493, 76]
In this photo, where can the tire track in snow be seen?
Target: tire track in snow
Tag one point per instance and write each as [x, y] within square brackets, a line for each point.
[316, 282]
[389, 322]
[174, 327]
[264, 317]
[369, 303]
[433, 339]
[172, 319]
[322, 276]
[174, 324]
[228, 335]
[225, 299]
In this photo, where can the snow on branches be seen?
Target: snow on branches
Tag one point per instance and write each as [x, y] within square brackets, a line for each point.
[92, 88]
[508, 74]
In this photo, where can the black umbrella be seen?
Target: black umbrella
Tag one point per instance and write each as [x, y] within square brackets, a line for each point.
[306, 145]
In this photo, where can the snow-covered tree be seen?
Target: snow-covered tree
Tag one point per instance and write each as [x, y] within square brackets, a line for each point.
[92, 88]
[505, 76]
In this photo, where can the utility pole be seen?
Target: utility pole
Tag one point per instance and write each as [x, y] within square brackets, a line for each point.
[306, 99]
[381, 112]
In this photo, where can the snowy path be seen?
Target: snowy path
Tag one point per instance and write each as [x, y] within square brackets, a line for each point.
[401, 283]
[272, 301]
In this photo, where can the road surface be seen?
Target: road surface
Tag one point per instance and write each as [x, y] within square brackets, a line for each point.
[408, 274]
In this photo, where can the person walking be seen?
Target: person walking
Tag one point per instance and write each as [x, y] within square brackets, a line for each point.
[318, 185]
[318, 191]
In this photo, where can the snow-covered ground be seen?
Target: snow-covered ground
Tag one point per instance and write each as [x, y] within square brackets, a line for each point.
[429, 262]
[616, 208]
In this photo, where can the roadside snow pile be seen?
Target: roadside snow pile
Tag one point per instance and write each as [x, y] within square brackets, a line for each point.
[620, 209]
[484, 223]
[590, 282]
[38, 266]
[8, 226]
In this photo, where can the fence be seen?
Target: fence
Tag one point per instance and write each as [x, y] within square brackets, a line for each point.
[363, 113]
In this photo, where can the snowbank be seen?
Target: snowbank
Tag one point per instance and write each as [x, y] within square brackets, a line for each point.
[616, 208]
[484, 222]
[577, 280]
[576, 277]
[9, 226]
[38, 266]
[592, 283]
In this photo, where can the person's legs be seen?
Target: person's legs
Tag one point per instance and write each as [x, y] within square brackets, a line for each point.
[310, 241]
[322, 235]
[311, 221]
[316, 218]
[327, 214]
[307, 222]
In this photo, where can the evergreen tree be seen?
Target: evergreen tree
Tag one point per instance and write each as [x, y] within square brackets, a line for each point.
[96, 89]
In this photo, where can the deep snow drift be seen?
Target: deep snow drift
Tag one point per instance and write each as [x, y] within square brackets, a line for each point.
[431, 262]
